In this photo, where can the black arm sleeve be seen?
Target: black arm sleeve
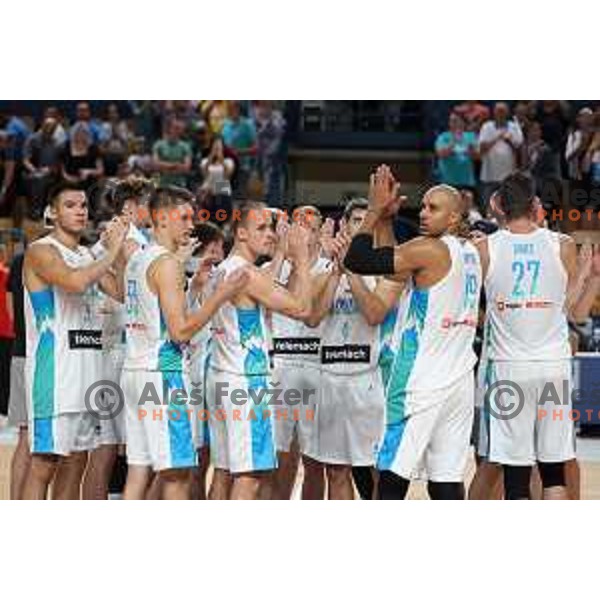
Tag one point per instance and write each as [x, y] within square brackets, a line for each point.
[363, 259]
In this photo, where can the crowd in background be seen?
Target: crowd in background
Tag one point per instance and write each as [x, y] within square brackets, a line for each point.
[554, 143]
[219, 150]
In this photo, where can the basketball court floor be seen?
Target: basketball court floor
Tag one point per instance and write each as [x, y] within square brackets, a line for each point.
[588, 452]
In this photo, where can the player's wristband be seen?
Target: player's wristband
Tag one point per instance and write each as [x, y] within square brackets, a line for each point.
[363, 259]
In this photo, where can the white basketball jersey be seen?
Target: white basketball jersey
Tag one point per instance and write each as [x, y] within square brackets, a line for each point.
[293, 341]
[64, 341]
[526, 288]
[114, 321]
[239, 335]
[436, 328]
[199, 347]
[348, 343]
[148, 346]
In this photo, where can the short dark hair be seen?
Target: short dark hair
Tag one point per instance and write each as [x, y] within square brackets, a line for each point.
[170, 196]
[59, 188]
[516, 195]
[355, 204]
[133, 187]
[207, 233]
[245, 210]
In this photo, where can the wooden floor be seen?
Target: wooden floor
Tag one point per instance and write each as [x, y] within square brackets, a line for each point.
[590, 478]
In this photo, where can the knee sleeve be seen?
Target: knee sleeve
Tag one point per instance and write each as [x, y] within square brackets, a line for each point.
[516, 482]
[446, 490]
[391, 486]
[363, 480]
[552, 474]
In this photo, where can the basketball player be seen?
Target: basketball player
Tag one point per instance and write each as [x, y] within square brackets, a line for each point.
[349, 412]
[241, 423]
[209, 254]
[129, 198]
[528, 299]
[59, 275]
[429, 403]
[158, 325]
[296, 353]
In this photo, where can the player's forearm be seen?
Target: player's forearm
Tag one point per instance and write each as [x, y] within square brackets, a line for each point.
[583, 306]
[300, 287]
[369, 304]
[199, 319]
[384, 234]
[363, 258]
[323, 300]
[79, 280]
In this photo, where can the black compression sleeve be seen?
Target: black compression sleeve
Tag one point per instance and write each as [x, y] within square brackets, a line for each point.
[363, 259]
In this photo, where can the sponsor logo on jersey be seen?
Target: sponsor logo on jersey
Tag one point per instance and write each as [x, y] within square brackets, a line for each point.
[296, 346]
[85, 339]
[348, 353]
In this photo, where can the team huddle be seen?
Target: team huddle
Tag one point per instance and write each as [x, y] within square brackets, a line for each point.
[346, 352]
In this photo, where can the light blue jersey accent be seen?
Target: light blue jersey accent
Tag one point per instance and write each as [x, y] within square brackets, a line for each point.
[181, 441]
[43, 306]
[401, 371]
[387, 352]
[43, 436]
[256, 365]
[170, 354]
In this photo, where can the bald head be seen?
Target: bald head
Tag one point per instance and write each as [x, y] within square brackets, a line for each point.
[443, 207]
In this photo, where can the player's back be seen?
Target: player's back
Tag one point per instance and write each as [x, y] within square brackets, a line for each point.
[239, 334]
[526, 288]
[148, 346]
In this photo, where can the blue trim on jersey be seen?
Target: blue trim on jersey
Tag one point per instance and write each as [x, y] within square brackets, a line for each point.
[406, 355]
[43, 436]
[386, 353]
[170, 353]
[43, 388]
[401, 371]
[181, 442]
[391, 443]
[256, 366]
[261, 430]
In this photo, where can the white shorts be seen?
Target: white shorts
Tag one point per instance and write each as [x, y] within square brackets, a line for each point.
[297, 418]
[432, 443]
[162, 435]
[532, 422]
[64, 434]
[197, 381]
[17, 400]
[349, 418]
[242, 437]
[112, 431]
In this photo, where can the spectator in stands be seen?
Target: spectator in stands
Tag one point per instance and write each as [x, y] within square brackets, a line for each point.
[81, 161]
[553, 117]
[18, 133]
[60, 134]
[591, 160]
[217, 172]
[578, 143]
[42, 164]
[499, 139]
[6, 333]
[7, 175]
[173, 156]
[116, 136]
[523, 114]
[239, 134]
[538, 159]
[270, 131]
[474, 114]
[456, 150]
[83, 115]
[214, 112]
